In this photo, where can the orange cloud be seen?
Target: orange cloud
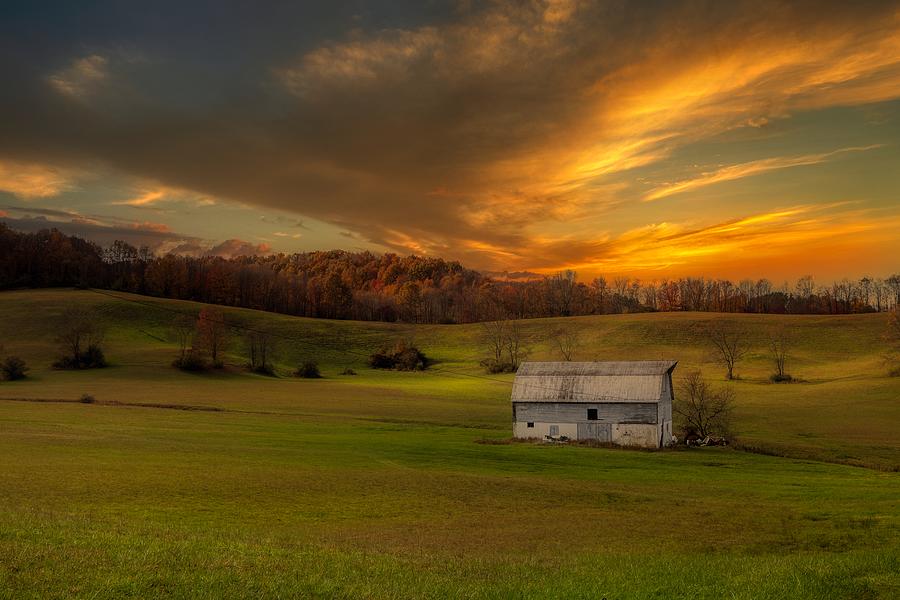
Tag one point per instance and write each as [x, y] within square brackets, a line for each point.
[147, 196]
[749, 169]
[774, 238]
[35, 180]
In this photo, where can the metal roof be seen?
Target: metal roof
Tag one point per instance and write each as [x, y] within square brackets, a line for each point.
[619, 381]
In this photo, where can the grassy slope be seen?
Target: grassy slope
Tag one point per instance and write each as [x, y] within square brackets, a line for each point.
[372, 486]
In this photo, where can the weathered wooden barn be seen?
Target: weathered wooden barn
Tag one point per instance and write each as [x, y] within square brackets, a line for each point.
[626, 402]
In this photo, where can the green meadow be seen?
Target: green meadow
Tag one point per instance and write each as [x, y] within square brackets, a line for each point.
[405, 485]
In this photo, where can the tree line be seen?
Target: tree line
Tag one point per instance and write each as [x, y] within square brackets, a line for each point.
[388, 287]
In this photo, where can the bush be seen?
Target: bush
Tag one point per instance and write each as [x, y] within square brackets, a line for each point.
[191, 362]
[92, 358]
[265, 369]
[308, 370]
[87, 399]
[776, 378]
[348, 371]
[13, 368]
[492, 366]
[402, 357]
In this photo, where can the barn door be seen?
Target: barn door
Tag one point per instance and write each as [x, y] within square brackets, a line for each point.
[602, 432]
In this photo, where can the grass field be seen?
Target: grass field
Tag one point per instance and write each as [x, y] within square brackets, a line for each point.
[376, 485]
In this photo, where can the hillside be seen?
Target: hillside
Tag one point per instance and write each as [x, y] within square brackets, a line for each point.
[375, 485]
[844, 410]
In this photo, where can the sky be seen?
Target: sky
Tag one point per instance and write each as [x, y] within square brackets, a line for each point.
[650, 139]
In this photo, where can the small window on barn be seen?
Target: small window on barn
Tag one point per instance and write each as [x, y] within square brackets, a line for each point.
[531, 424]
[592, 414]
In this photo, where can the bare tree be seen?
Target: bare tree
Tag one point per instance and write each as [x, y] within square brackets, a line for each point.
[515, 345]
[702, 408]
[566, 340]
[80, 333]
[493, 334]
[780, 344]
[562, 287]
[183, 328]
[212, 333]
[505, 342]
[260, 350]
[893, 284]
[729, 342]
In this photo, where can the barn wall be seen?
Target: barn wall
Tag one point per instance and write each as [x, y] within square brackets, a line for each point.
[612, 412]
[542, 429]
[644, 436]
[664, 411]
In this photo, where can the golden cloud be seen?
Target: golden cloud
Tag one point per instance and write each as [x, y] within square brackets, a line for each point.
[748, 169]
[35, 180]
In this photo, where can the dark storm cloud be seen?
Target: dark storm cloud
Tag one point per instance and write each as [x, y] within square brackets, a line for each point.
[427, 128]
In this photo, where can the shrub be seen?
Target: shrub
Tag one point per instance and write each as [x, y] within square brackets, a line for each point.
[381, 360]
[308, 370]
[782, 378]
[262, 369]
[92, 358]
[191, 361]
[492, 366]
[348, 371]
[87, 399]
[13, 368]
[402, 357]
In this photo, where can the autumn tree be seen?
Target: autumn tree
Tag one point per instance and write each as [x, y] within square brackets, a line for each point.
[702, 408]
[729, 344]
[337, 297]
[212, 334]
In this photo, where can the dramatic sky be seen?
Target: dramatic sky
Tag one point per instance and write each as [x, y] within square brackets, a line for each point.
[655, 139]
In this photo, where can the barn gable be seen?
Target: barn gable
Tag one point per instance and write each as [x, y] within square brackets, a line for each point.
[591, 382]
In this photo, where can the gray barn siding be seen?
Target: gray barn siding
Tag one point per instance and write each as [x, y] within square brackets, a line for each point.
[592, 430]
[607, 412]
[665, 400]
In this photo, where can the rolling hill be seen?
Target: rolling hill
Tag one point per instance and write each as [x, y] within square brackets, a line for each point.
[394, 485]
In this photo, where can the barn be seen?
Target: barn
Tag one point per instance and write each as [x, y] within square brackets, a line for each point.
[624, 402]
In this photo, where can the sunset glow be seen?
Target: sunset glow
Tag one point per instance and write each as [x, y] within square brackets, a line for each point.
[649, 140]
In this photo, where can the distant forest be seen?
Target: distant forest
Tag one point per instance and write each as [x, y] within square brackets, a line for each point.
[367, 286]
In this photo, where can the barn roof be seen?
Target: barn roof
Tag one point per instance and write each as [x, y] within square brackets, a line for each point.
[619, 381]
